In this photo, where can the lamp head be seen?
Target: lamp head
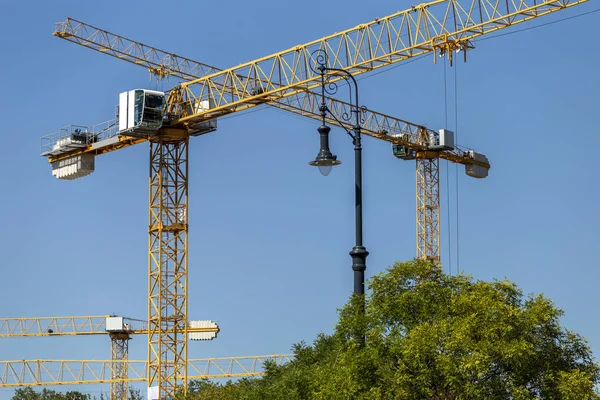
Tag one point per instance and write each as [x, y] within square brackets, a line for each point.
[325, 159]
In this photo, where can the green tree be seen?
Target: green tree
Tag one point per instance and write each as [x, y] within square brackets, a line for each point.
[432, 336]
[25, 394]
[46, 394]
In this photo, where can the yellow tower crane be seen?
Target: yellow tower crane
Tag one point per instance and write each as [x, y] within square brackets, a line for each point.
[118, 371]
[162, 64]
[399, 132]
[119, 329]
[375, 124]
[191, 109]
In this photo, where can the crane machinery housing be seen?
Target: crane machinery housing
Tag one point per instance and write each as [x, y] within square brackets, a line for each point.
[441, 26]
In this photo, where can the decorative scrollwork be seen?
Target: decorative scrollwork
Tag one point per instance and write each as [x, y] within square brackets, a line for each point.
[345, 116]
[330, 87]
[321, 60]
[330, 77]
[362, 113]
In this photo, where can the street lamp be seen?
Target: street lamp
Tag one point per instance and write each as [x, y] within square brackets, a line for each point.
[326, 160]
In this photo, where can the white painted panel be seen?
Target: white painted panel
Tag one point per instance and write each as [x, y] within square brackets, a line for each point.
[152, 393]
[131, 109]
[114, 324]
[123, 111]
[446, 138]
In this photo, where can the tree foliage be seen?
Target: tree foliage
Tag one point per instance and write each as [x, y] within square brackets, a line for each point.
[430, 335]
[47, 394]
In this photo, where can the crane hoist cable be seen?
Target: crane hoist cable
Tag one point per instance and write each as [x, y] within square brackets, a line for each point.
[456, 170]
[540, 25]
[447, 172]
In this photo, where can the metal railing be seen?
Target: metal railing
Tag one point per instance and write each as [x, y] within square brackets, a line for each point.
[73, 136]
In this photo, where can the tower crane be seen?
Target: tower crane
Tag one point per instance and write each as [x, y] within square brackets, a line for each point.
[119, 329]
[163, 64]
[190, 109]
[374, 125]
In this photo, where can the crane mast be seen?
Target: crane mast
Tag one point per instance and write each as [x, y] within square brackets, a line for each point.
[168, 266]
[119, 355]
[441, 26]
[428, 209]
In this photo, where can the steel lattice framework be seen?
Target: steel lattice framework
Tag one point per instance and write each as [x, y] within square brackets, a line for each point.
[119, 354]
[46, 326]
[67, 326]
[85, 325]
[168, 269]
[428, 209]
[77, 372]
[442, 25]
[306, 104]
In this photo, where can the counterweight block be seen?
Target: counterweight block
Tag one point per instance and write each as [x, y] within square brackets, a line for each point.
[73, 167]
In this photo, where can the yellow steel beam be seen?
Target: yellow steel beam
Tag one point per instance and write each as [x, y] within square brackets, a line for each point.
[119, 352]
[68, 326]
[46, 326]
[168, 267]
[76, 372]
[428, 209]
[157, 61]
[442, 25]
[307, 104]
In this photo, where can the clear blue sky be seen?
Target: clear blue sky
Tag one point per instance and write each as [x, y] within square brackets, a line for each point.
[261, 263]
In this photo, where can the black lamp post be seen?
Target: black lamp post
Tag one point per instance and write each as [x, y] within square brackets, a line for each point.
[326, 160]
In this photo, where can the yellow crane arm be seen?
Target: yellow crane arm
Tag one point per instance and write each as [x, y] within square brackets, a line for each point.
[158, 62]
[45, 326]
[71, 326]
[377, 125]
[78, 372]
[442, 25]
[307, 104]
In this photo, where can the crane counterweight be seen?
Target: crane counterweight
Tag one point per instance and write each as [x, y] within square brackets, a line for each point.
[73, 167]
[476, 171]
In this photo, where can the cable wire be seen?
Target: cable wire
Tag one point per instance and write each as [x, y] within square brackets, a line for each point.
[256, 109]
[418, 58]
[447, 172]
[539, 26]
[456, 166]
[446, 119]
